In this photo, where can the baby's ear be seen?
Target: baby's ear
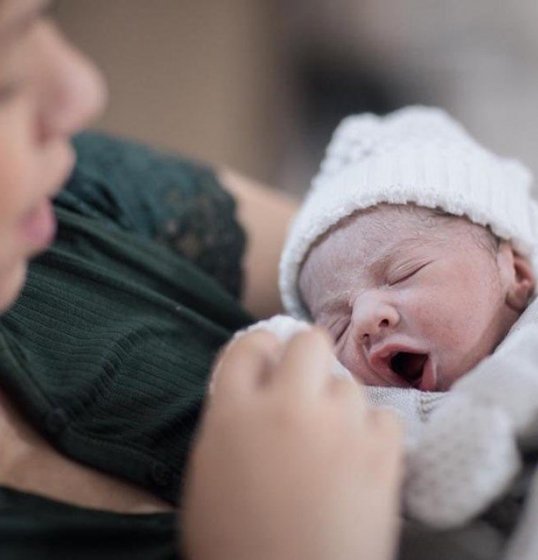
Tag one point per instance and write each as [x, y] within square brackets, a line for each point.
[518, 275]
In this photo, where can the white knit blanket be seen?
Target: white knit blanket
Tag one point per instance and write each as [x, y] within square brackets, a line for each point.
[461, 446]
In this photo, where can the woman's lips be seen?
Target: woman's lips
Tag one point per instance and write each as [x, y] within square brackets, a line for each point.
[38, 227]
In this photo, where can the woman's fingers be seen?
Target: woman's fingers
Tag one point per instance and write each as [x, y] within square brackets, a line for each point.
[299, 464]
[306, 363]
[244, 363]
[350, 394]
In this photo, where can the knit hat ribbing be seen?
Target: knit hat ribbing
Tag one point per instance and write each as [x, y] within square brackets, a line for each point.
[415, 155]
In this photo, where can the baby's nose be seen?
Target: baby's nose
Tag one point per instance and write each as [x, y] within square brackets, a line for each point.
[372, 317]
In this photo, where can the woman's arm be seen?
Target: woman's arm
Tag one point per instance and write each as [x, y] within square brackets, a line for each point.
[265, 214]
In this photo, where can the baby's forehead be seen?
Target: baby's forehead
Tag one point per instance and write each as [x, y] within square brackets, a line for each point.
[399, 224]
[376, 234]
[387, 216]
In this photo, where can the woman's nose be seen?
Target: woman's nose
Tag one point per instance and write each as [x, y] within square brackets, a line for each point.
[72, 90]
[373, 317]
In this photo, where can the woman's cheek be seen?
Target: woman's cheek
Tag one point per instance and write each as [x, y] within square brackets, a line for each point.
[19, 161]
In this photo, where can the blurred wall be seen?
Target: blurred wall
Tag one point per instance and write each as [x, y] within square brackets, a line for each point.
[200, 77]
[477, 59]
[260, 84]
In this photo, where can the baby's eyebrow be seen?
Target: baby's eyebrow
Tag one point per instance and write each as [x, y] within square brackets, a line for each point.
[402, 251]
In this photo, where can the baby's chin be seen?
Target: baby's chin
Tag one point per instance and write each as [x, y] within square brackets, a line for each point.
[447, 380]
[450, 374]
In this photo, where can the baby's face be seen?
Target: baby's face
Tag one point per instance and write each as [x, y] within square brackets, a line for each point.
[410, 298]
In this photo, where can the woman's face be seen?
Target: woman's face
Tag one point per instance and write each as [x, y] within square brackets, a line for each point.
[48, 91]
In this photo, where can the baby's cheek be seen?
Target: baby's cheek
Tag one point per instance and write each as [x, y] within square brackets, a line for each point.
[435, 316]
[353, 360]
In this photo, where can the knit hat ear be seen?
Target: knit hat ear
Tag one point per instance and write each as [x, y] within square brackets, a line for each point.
[415, 155]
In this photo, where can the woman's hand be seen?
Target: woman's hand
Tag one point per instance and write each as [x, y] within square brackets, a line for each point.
[289, 462]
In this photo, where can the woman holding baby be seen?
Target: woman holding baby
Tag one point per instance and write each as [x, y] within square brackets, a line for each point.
[288, 462]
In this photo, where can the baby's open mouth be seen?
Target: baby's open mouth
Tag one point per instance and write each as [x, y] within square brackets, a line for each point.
[409, 366]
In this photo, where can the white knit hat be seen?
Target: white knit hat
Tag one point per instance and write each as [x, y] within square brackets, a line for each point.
[419, 155]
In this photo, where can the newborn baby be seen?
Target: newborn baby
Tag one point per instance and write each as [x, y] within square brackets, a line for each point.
[414, 248]
[417, 249]
[413, 296]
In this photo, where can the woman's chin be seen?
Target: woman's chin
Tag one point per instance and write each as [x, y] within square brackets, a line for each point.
[11, 284]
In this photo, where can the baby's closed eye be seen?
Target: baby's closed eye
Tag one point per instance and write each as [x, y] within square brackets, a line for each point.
[403, 272]
[338, 327]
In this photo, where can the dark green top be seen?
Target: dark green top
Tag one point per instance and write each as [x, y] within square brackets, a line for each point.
[109, 347]
[33, 528]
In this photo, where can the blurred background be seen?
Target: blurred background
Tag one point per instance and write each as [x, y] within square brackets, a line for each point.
[259, 85]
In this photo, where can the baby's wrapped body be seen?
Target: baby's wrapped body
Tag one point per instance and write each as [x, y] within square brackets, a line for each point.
[417, 249]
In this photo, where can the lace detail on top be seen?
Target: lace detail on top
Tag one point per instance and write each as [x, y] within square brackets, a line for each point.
[160, 196]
